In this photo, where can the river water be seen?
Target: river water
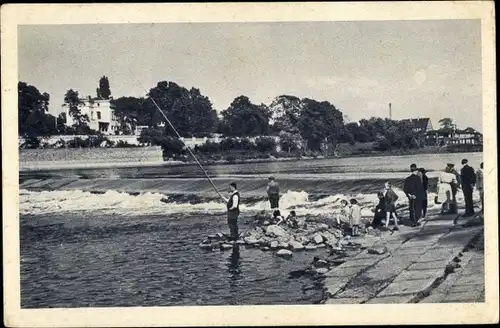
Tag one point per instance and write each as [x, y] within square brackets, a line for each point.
[129, 237]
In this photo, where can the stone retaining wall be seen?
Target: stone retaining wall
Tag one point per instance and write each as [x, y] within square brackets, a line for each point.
[43, 158]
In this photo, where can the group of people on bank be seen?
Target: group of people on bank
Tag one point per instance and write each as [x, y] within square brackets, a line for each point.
[415, 188]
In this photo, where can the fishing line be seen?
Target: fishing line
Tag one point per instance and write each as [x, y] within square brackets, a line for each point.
[179, 136]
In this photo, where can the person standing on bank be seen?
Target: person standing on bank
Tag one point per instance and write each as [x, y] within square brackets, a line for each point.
[425, 181]
[273, 193]
[414, 190]
[233, 211]
[468, 179]
[455, 185]
[480, 185]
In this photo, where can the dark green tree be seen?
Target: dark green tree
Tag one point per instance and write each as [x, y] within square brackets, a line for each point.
[104, 91]
[243, 118]
[320, 123]
[190, 112]
[80, 121]
[33, 120]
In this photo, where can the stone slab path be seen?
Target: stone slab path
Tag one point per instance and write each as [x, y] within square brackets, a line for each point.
[417, 263]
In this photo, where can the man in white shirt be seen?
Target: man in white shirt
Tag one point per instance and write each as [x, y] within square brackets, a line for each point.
[233, 211]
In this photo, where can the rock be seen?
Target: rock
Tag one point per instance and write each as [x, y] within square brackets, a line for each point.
[377, 250]
[310, 247]
[318, 239]
[284, 253]
[323, 227]
[212, 236]
[206, 246]
[240, 242]
[265, 248]
[295, 245]
[322, 270]
[276, 231]
[274, 244]
[321, 246]
[303, 239]
[266, 223]
[370, 228]
[283, 245]
[219, 235]
[226, 246]
[250, 241]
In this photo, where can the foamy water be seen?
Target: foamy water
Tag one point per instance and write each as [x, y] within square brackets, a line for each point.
[120, 203]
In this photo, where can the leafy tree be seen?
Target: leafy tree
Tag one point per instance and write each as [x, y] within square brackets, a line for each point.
[320, 122]
[446, 124]
[189, 111]
[103, 92]
[243, 118]
[80, 121]
[33, 120]
[265, 144]
[288, 142]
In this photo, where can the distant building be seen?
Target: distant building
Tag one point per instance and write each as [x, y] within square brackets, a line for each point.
[101, 115]
[467, 136]
[455, 137]
[420, 125]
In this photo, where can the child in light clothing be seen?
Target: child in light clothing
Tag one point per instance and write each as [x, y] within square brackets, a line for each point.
[391, 197]
[343, 216]
[355, 217]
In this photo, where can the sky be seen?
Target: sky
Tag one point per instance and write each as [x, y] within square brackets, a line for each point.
[424, 68]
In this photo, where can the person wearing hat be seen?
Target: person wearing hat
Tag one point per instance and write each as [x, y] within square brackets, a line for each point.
[468, 177]
[414, 189]
[273, 193]
[450, 167]
[233, 211]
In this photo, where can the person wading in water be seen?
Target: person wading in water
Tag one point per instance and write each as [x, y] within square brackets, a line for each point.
[233, 211]
[273, 193]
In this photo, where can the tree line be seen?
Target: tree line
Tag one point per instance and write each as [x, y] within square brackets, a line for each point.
[304, 123]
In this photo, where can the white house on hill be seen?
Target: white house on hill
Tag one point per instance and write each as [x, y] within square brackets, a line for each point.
[101, 115]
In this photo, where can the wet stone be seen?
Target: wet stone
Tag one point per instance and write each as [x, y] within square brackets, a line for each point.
[310, 247]
[284, 253]
[391, 299]
[406, 287]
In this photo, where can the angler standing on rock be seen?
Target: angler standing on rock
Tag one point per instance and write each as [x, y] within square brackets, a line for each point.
[233, 211]
[273, 193]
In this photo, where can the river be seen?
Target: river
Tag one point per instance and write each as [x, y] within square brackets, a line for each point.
[129, 236]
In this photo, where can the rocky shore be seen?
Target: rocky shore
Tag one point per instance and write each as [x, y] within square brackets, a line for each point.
[313, 233]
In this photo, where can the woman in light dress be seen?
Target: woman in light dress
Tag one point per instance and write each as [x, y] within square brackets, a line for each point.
[445, 190]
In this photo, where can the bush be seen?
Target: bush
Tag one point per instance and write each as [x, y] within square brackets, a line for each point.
[31, 142]
[207, 148]
[382, 144]
[265, 144]
[246, 144]
[231, 158]
[124, 144]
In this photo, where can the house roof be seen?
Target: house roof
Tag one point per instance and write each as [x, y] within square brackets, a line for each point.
[419, 123]
[468, 130]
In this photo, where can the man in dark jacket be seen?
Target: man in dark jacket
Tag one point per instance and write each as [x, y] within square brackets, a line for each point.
[233, 211]
[468, 179]
[273, 193]
[414, 190]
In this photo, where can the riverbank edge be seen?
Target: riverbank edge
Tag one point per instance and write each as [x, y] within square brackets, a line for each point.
[57, 165]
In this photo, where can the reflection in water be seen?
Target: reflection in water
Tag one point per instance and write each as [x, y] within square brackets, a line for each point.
[234, 262]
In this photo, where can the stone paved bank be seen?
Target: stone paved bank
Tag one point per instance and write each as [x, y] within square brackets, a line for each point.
[432, 263]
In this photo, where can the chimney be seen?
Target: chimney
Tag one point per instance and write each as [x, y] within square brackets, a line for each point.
[390, 111]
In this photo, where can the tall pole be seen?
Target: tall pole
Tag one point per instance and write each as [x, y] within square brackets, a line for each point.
[390, 111]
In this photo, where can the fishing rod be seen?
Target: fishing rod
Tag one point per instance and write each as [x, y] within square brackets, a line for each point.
[179, 136]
